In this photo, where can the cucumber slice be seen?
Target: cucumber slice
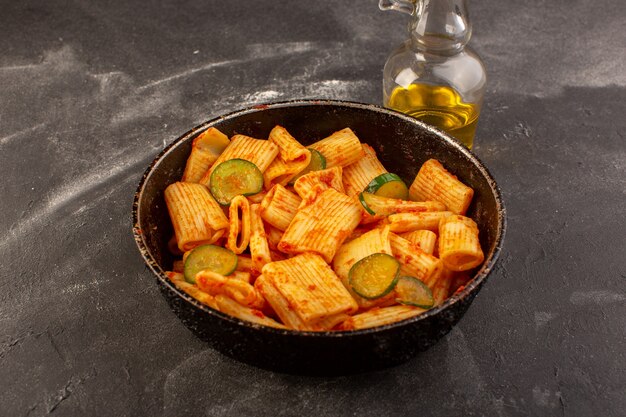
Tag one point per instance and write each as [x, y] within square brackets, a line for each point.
[235, 177]
[317, 163]
[411, 291]
[211, 257]
[388, 185]
[374, 276]
[367, 203]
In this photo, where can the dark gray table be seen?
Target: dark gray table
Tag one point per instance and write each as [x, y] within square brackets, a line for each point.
[91, 91]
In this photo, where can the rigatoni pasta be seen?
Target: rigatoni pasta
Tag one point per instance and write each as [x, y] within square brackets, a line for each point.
[358, 175]
[441, 286]
[244, 263]
[425, 239]
[281, 305]
[292, 158]
[434, 182]
[179, 281]
[384, 206]
[279, 206]
[322, 226]
[237, 289]
[459, 247]
[414, 261]
[411, 221]
[311, 184]
[342, 148]
[205, 150]
[273, 236]
[379, 317]
[241, 276]
[195, 215]
[296, 244]
[310, 287]
[231, 307]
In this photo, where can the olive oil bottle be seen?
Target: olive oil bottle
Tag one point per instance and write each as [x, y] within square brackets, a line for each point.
[434, 76]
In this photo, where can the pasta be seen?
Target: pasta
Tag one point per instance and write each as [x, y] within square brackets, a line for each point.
[244, 263]
[459, 247]
[322, 226]
[259, 248]
[342, 148]
[180, 283]
[231, 307]
[279, 206]
[412, 221]
[434, 182]
[379, 317]
[441, 286]
[384, 207]
[196, 216]
[279, 239]
[273, 237]
[310, 286]
[359, 174]
[241, 276]
[425, 239]
[205, 150]
[414, 261]
[281, 305]
[292, 158]
[239, 225]
[239, 290]
[311, 184]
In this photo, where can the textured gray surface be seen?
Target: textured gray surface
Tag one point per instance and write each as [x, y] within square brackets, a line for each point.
[89, 94]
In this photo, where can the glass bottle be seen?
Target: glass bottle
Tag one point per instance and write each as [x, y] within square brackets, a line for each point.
[433, 75]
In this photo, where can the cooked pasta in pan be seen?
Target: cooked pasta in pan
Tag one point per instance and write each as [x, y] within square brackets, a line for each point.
[317, 238]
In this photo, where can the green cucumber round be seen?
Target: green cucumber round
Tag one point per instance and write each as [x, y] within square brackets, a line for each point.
[388, 185]
[214, 258]
[411, 291]
[235, 177]
[374, 276]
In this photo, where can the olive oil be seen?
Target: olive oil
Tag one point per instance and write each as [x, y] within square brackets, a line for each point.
[440, 106]
[434, 75]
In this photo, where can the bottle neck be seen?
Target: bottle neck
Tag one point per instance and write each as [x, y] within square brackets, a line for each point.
[440, 26]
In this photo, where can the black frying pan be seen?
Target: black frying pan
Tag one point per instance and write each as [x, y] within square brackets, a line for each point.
[402, 144]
